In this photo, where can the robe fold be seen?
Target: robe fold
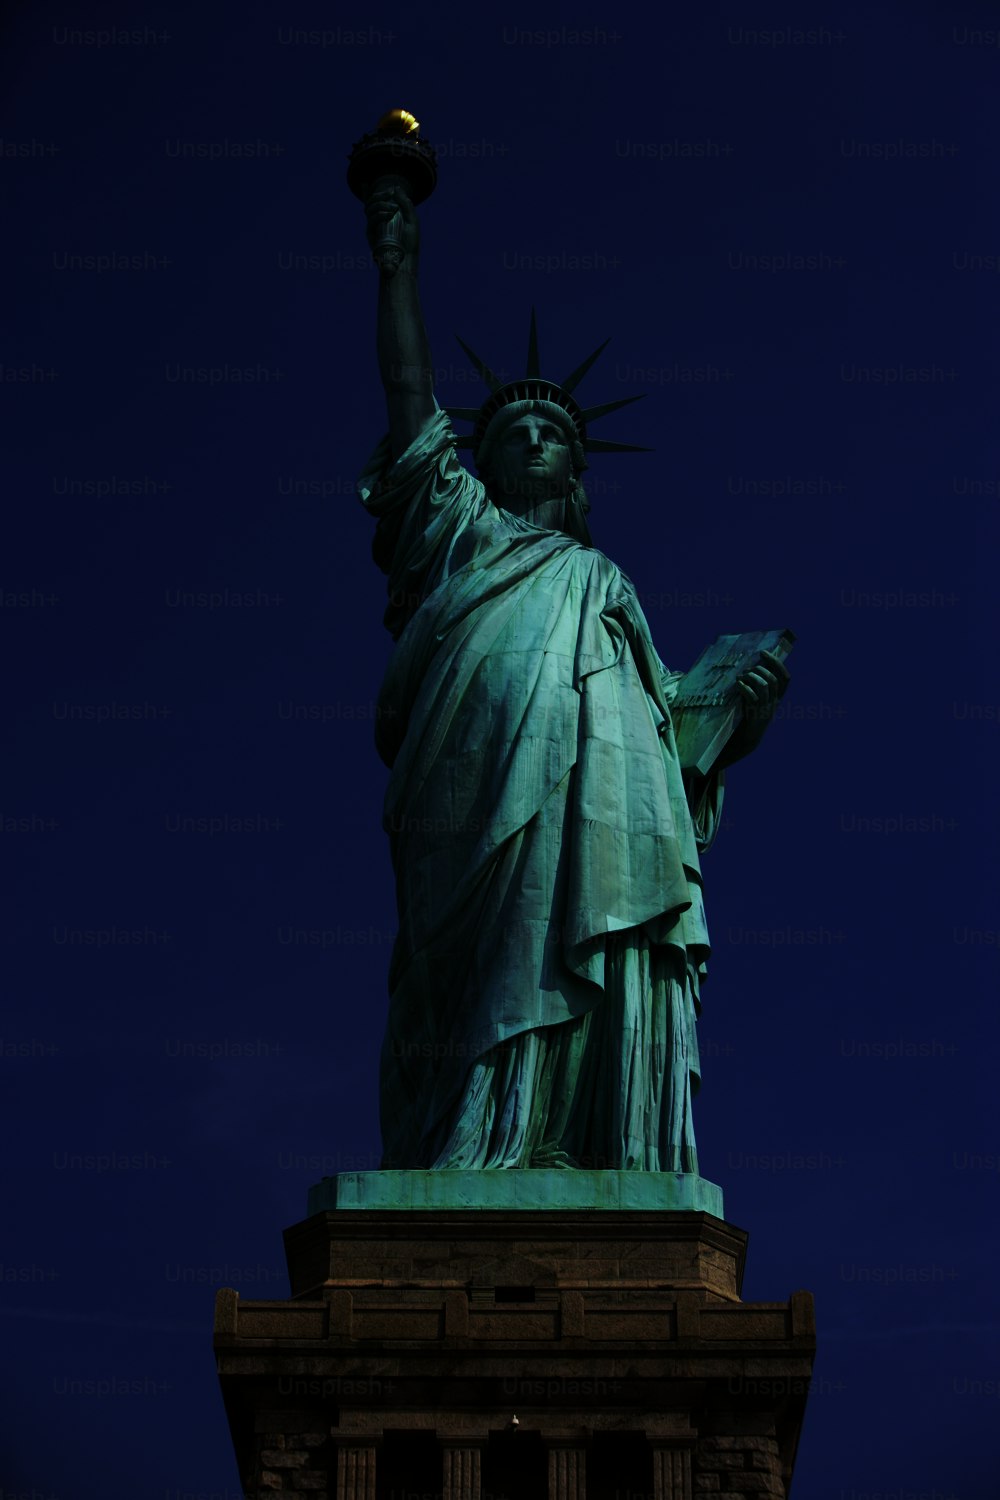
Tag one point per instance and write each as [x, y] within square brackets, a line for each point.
[544, 983]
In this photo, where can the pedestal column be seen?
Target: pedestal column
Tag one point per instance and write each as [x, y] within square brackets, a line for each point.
[671, 1472]
[461, 1466]
[356, 1470]
[567, 1469]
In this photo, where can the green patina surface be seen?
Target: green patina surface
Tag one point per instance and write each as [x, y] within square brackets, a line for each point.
[527, 1189]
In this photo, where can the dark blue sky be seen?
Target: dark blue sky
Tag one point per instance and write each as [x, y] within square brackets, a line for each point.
[793, 243]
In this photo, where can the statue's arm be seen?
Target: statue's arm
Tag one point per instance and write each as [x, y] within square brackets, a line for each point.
[404, 355]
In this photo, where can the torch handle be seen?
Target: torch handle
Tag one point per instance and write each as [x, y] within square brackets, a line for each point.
[388, 248]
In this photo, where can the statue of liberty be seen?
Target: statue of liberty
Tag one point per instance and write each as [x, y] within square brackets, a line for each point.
[545, 836]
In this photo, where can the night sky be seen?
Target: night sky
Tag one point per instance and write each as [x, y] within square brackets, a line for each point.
[787, 224]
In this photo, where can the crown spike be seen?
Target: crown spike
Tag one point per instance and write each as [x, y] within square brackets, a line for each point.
[531, 368]
[573, 380]
[531, 386]
[493, 381]
[593, 412]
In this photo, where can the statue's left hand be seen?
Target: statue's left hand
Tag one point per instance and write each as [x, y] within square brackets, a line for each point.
[761, 687]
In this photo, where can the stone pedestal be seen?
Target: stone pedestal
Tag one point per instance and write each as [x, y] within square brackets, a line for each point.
[549, 1354]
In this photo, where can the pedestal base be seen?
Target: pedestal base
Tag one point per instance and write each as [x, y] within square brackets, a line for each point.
[549, 1354]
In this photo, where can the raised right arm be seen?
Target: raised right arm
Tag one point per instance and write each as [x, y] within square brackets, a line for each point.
[404, 355]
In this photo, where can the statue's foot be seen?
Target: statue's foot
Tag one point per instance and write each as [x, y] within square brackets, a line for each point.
[552, 1156]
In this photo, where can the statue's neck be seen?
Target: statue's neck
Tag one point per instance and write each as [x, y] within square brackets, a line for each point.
[550, 515]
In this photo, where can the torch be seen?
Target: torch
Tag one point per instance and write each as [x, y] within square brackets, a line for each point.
[392, 155]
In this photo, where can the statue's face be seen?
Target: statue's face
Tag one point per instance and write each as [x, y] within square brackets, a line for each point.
[532, 462]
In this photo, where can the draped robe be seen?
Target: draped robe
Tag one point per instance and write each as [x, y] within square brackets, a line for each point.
[545, 979]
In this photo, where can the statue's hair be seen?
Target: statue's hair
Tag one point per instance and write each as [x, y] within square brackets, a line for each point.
[578, 503]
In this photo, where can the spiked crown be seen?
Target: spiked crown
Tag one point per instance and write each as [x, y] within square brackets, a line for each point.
[532, 387]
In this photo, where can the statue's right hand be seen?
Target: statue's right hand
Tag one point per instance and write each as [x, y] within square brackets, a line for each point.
[381, 205]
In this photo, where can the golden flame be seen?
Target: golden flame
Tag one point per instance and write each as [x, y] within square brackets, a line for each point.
[399, 122]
